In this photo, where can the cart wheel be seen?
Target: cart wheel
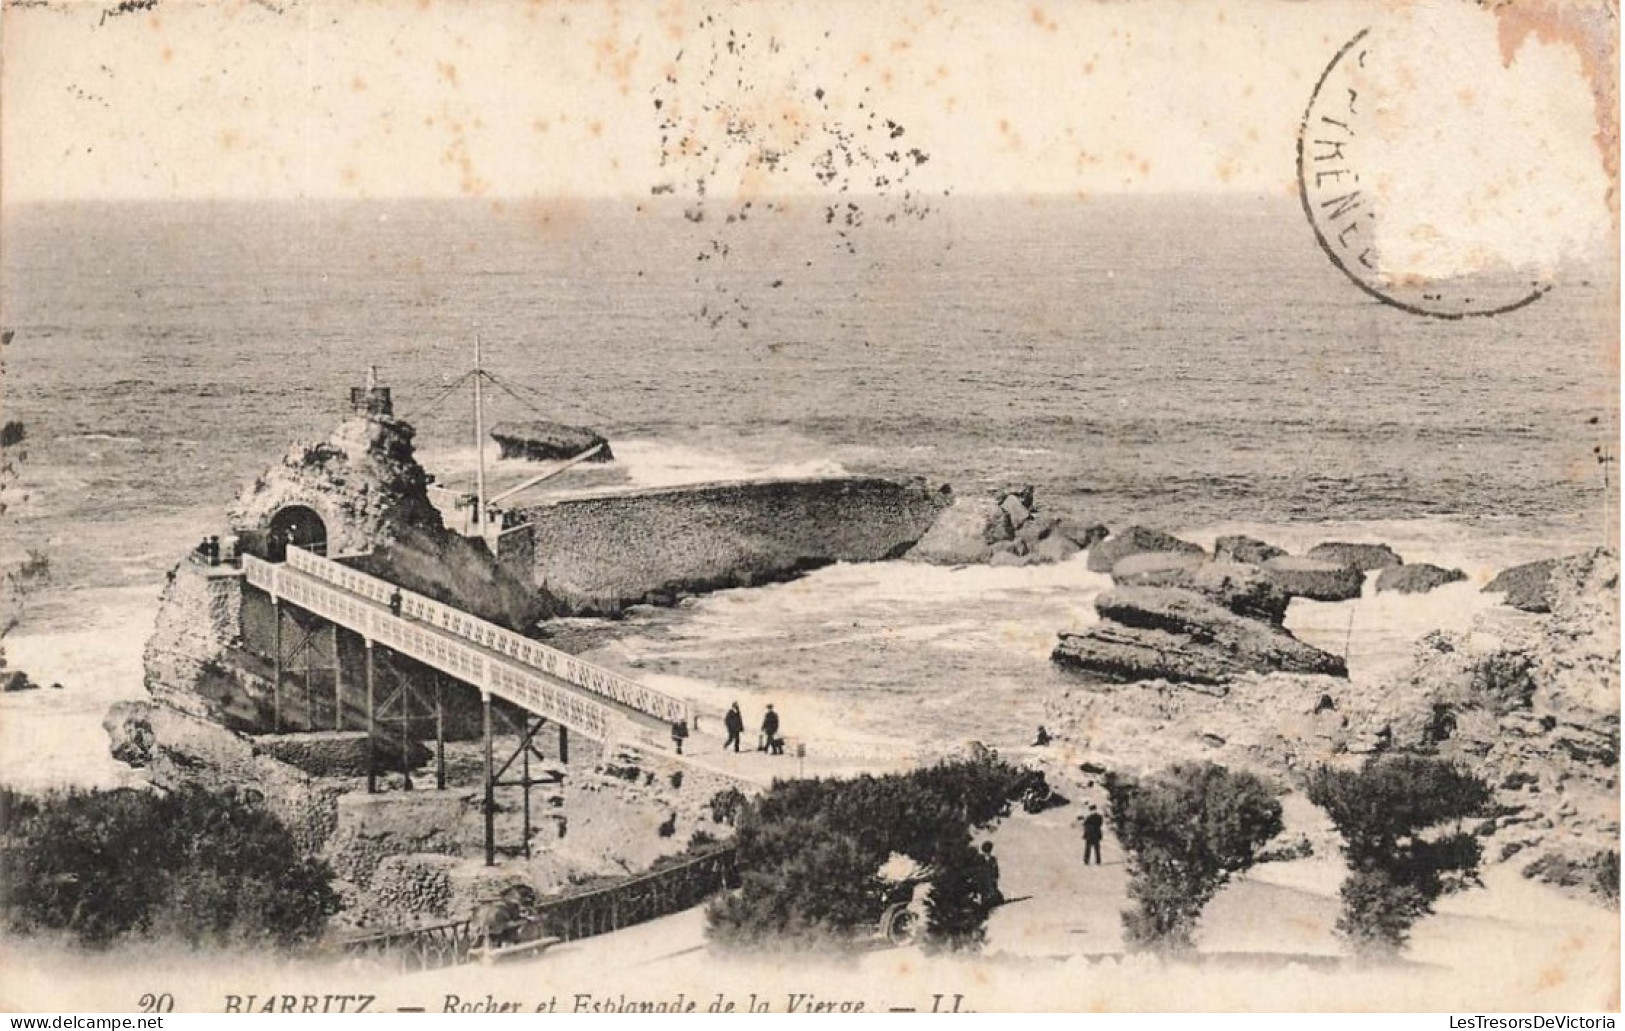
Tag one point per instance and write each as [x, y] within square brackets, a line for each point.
[899, 925]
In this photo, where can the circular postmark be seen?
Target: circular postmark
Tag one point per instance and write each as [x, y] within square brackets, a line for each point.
[1357, 181]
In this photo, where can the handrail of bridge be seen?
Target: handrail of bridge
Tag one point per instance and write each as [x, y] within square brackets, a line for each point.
[635, 899]
[504, 677]
[551, 661]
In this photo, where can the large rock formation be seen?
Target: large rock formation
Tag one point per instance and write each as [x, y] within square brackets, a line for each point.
[1418, 578]
[1243, 589]
[1531, 704]
[1161, 633]
[1002, 528]
[359, 495]
[1525, 586]
[1316, 579]
[601, 553]
[1132, 541]
[363, 482]
[1364, 557]
[540, 441]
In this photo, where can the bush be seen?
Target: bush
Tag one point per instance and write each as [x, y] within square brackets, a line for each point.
[1186, 831]
[1605, 876]
[810, 852]
[725, 806]
[1388, 812]
[202, 867]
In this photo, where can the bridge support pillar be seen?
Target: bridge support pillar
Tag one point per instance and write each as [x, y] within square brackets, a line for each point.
[439, 733]
[372, 717]
[490, 787]
[564, 745]
[276, 674]
[338, 682]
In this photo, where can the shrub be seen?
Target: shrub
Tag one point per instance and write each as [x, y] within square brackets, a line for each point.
[725, 806]
[1605, 876]
[194, 865]
[810, 852]
[1388, 812]
[1186, 831]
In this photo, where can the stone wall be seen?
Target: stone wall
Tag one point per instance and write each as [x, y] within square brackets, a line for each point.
[599, 554]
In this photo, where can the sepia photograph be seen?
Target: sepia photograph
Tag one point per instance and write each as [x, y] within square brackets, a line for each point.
[759, 506]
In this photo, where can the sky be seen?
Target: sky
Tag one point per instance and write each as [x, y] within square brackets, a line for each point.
[514, 99]
[366, 98]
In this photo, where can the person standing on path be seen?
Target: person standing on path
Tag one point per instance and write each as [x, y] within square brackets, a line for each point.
[734, 723]
[1093, 829]
[770, 729]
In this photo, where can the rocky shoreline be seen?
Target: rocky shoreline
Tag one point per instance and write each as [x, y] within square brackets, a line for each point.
[1189, 654]
[1528, 702]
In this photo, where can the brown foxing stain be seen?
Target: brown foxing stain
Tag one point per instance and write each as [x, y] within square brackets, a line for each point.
[1042, 19]
[358, 85]
[1592, 30]
[447, 70]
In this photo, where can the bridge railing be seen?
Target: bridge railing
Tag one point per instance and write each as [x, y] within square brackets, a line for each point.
[551, 661]
[531, 689]
[636, 899]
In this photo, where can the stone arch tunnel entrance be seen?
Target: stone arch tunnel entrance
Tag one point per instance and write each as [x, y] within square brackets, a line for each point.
[297, 525]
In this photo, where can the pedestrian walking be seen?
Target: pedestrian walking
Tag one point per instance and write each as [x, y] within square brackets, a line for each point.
[734, 723]
[770, 732]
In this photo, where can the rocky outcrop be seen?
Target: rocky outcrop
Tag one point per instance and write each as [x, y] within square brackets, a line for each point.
[363, 481]
[1417, 579]
[1160, 633]
[1003, 528]
[1132, 541]
[1243, 589]
[538, 440]
[1245, 549]
[601, 553]
[1364, 557]
[1525, 586]
[362, 496]
[174, 749]
[1315, 579]
[1530, 705]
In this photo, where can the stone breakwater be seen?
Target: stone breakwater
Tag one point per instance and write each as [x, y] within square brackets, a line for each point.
[599, 554]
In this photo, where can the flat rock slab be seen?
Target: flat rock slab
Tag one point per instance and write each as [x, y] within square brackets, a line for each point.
[1316, 579]
[540, 441]
[1165, 633]
[1243, 589]
[1103, 557]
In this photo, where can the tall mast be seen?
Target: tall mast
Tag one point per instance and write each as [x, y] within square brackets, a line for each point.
[479, 437]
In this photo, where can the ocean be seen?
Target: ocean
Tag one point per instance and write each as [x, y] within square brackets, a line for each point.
[1191, 363]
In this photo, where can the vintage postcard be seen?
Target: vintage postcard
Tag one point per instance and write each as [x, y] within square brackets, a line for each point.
[767, 506]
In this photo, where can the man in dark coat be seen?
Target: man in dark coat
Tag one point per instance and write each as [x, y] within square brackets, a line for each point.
[770, 730]
[1093, 830]
[734, 722]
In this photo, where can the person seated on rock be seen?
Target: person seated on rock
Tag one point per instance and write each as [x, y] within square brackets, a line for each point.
[1043, 737]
